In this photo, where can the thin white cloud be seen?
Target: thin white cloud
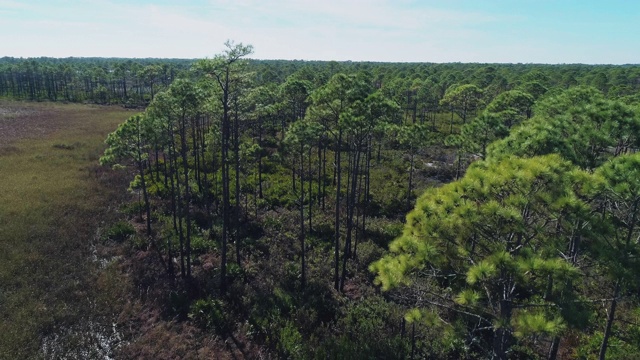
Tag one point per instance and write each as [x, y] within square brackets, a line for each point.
[14, 5]
[377, 30]
[331, 29]
[370, 13]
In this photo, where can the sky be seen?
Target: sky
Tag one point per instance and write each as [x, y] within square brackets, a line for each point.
[479, 31]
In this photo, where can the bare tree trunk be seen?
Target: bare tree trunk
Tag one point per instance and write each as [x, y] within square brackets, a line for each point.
[260, 158]
[302, 234]
[553, 350]
[459, 165]
[178, 204]
[413, 340]
[610, 319]
[351, 199]
[187, 197]
[366, 197]
[236, 149]
[173, 213]
[410, 180]
[310, 201]
[319, 192]
[145, 198]
[501, 335]
[336, 278]
[324, 177]
[225, 181]
[451, 123]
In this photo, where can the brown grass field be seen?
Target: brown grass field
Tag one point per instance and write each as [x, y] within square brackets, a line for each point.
[54, 202]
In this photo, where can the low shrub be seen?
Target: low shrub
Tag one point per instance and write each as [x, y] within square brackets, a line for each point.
[120, 231]
[211, 314]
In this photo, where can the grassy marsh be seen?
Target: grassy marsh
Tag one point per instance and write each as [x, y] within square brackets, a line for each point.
[51, 205]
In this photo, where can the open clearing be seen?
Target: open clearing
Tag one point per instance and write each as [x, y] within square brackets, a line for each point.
[54, 200]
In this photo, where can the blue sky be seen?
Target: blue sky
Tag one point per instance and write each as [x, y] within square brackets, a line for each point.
[504, 31]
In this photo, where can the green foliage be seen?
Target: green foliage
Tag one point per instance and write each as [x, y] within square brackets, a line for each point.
[427, 318]
[621, 180]
[335, 103]
[366, 334]
[127, 143]
[468, 297]
[133, 208]
[492, 226]
[212, 314]
[616, 192]
[532, 323]
[369, 252]
[534, 88]
[200, 244]
[462, 99]
[476, 135]
[411, 137]
[156, 188]
[277, 190]
[482, 271]
[290, 344]
[618, 349]
[389, 188]
[579, 124]
[513, 106]
[302, 134]
[234, 270]
[120, 231]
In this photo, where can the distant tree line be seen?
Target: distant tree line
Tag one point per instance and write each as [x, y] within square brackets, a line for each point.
[96, 80]
[417, 87]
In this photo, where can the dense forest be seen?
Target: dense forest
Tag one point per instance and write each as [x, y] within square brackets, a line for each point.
[301, 209]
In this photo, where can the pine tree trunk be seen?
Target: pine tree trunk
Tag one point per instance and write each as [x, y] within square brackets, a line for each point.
[225, 181]
[178, 208]
[553, 350]
[302, 234]
[610, 319]
[351, 199]
[410, 180]
[336, 278]
[260, 159]
[310, 200]
[187, 195]
[236, 148]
